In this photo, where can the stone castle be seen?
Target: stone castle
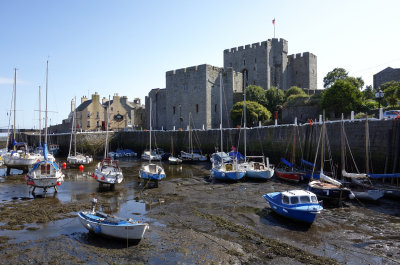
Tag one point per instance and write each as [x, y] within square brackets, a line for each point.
[192, 95]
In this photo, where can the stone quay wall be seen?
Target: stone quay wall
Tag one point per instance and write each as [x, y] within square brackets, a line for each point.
[272, 141]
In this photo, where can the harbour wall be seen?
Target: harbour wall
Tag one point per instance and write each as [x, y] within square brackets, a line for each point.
[271, 141]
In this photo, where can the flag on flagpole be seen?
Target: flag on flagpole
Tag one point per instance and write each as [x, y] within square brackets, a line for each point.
[273, 21]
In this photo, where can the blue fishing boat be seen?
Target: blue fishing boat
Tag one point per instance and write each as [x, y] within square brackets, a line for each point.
[299, 205]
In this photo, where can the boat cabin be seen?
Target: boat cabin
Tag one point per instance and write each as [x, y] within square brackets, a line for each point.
[298, 197]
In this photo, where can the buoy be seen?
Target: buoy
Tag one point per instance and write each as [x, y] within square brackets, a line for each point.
[81, 167]
[64, 165]
[102, 178]
[58, 183]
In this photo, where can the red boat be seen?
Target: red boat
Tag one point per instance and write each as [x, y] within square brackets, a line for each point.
[293, 176]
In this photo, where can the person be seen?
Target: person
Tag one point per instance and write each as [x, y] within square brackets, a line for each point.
[94, 202]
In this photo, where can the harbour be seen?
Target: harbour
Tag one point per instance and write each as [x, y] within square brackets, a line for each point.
[193, 219]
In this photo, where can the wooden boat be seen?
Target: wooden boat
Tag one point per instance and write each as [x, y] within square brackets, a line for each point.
[299, 205]
[113, 226]
[151, 171]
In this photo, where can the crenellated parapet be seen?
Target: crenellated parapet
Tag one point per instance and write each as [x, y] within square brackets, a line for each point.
[264, 45]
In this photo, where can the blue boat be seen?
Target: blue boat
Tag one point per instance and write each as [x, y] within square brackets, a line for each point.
[227, 172]
[300, 205]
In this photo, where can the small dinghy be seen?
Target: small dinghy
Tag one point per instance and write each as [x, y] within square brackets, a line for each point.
[299, 205]
[112, 226]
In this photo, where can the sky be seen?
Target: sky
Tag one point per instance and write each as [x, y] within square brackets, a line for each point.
[127, 46]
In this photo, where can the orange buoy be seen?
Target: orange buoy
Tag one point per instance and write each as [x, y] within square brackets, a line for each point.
[81, 167]
[64, 165]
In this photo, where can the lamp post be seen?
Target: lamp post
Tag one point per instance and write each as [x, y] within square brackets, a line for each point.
[379, 96]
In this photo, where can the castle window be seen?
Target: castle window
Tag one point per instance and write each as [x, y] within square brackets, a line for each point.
[255, 60]
[254, 68]
[296, 72]
[185, 87]
[230, 64]
[88, 124]
[254, 82]
[197, 108]
[88, 114]
[97, 115]
[215, 108]
[173, 110]
[97, 124]
[244, 62]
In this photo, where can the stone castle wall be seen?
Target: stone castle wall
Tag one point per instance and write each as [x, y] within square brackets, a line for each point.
[386, 75]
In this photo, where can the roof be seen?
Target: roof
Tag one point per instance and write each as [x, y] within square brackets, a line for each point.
[84, 105]
[297, 193]
[105, 104]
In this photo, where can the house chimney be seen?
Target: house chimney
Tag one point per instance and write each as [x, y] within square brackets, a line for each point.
[83, 99]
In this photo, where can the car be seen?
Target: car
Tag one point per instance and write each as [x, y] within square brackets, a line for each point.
[391, 114]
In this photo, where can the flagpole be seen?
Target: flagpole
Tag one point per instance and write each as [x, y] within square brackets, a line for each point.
[273, 22]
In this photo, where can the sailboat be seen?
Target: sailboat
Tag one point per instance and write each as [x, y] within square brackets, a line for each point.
[327, 188]
[151, 171]
[19, 157]
[172, 159]
[45, 174]
[361, 184]
[192, 155]
[287, 170]
[76, 158]
[254, 166]
[222, 170]
[107, 170]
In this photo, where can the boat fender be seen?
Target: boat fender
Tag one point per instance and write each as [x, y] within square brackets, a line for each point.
[89, 227]
[97, 229]
[351, 195]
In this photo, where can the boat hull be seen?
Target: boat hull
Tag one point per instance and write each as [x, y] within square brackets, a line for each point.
[122, 230]
[227, 175]
[303, 213]
[259, 174]
[152, 172]
[289, 175]
[328, 192]
[369, 195]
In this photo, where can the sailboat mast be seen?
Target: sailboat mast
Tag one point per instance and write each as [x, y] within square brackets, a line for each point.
[45, 113]
[15, 100]
[74, 127]
[323, 143]
[150, 133]
[366, 145]
[40, 116]
[294, 144]
[343, 148]
[107, 118]
[220, 108]
[244, 113]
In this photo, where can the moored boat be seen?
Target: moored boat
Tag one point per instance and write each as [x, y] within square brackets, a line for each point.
[299, 205]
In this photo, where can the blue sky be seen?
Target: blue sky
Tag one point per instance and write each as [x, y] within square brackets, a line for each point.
[126, 46]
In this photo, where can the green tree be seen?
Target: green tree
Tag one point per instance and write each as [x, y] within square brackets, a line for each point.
[392, 92]
[294, 90]
[368, 92]
[358, 82]
[275, 98]
[257, 94]
[342, 97]
[334, 75]
[254, 112]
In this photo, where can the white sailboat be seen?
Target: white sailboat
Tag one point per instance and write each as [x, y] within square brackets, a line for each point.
[151, 171]
[254, 166]
[76, 158]
[222, 170]
[19, 157]
[45, 174]
[191, 155]
[108, 171]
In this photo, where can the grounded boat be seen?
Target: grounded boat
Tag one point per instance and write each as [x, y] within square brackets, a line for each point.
[76, 158]
[299, 205]
[151, 171]
[289, 172]
[256, 169]
[112, 226]
[108, 171]
[174, 160]
[45, 174]
[150, 155]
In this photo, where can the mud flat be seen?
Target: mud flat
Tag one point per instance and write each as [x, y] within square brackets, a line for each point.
[193, 220]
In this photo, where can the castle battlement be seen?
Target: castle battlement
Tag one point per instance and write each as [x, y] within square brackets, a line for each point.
[192, 69]
[299, 56]
[257, 45]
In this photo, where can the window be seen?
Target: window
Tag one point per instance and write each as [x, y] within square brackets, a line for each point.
[294, 200]
[88, 114]
[314, 199]
[111, 108]
[255, 60]
[304, 199]
[97, 115]
[45, 169]
[285, 199]
[215, 108]
[244, 62]
[185, 87]
[97, 124]
[173, 110]
[197, 108]
[88, 124]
